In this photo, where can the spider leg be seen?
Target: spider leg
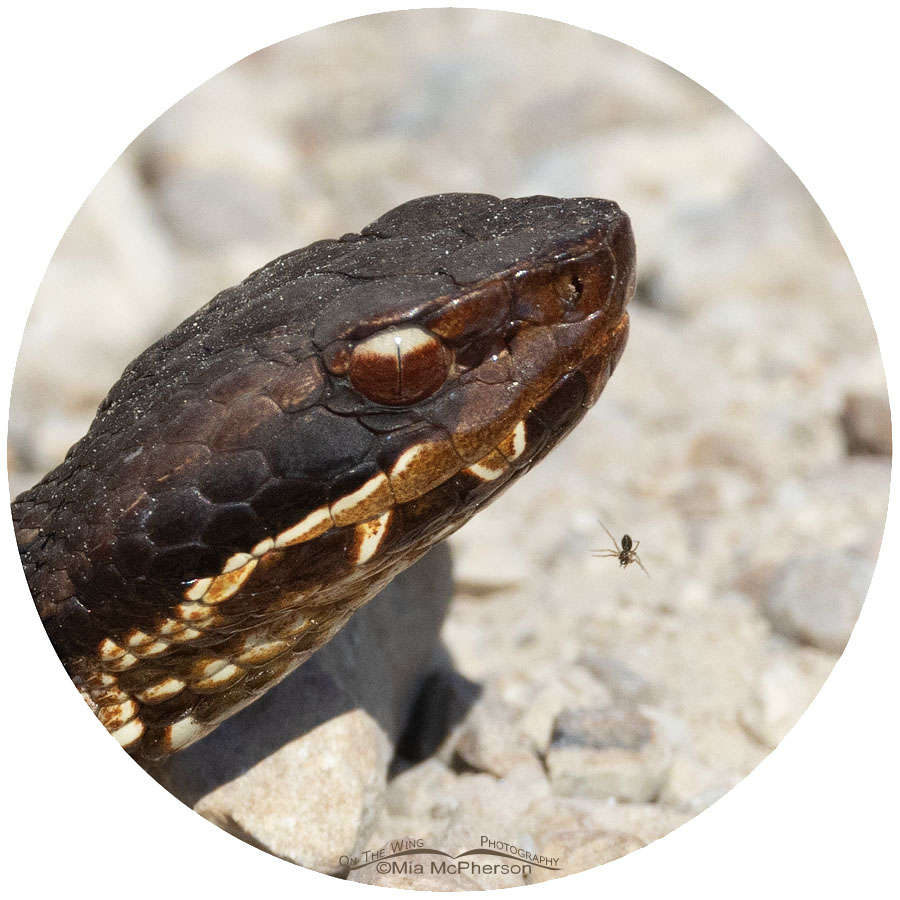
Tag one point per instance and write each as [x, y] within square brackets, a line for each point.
[615, 542]
[637, 560]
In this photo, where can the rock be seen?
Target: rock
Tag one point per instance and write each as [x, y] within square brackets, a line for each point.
[302, 771]
[581, 833]
[312, 801]
[552, 814]
[573, 687]
[83, 328]
[866, 423]
[611, 753]
[817, 599]
[787, 684]
[490, 740]
[435, 796]
[647, 822]
[454, 813]
[693, 786]
[626, 685]
[578, 850]
[493, 809]
[422, 792]
[205, 210]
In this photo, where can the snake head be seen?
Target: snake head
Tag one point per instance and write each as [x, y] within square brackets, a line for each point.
[263, 470]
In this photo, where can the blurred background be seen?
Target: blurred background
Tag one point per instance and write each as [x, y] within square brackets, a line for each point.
[744, 438]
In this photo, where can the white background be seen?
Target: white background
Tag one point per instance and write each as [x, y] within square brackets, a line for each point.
[81, 80]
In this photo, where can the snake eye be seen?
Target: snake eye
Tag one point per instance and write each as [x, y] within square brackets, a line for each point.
[399, 367]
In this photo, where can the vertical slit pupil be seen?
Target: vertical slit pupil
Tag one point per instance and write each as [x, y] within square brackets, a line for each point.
[397, 341]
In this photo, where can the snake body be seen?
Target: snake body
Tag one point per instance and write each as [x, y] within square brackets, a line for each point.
[263, 470]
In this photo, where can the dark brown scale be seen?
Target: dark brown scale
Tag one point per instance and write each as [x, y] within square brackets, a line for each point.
[278, 399]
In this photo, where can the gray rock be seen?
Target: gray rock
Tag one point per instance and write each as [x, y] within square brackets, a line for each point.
[817, 599]
[570, 687]
[302, 772]
[490, 740]
[612, 753]
[866, 422]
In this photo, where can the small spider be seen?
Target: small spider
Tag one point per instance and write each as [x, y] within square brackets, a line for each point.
[626, 554]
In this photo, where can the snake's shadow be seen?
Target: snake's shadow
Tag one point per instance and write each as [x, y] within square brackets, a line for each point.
[387, 661]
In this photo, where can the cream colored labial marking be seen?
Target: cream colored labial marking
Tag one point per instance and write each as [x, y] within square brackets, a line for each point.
[222, 677]
[405, 460]
[263, 547]
[193, 612]
[369, 536]
[230, 581]
[117, 714]
[129, 733]
[198, 589]
[201, 597]
[256, 650]
[513, 445]
[496, 463]
[179, 734]
[374, 494]
[162, 690]
[488, 468]
[309, 527]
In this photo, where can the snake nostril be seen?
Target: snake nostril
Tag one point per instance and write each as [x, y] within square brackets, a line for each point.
[578, 295]
[569, 289]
